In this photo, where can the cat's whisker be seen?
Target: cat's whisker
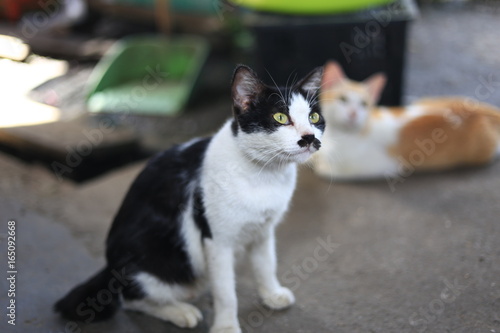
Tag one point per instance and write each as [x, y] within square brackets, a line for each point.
[312, 95]
[280, 99]
[290, 90]
[314, 100]
[317, 97]
[291, 85]
[281, 94]
[265, 156]
[330, 161]
[269, 161]
[309, 164]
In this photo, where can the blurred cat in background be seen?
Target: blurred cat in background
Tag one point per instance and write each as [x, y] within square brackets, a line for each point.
[362, 141]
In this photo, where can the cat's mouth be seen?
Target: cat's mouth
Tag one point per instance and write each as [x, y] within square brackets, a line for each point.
[351, 124]
[303, 154]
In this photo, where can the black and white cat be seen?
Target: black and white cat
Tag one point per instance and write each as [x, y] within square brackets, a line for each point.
[197, 204]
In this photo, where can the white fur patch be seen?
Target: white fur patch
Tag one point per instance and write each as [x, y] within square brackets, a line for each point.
[192, 239]
[179, 313]
[299, 110]
[164, 293]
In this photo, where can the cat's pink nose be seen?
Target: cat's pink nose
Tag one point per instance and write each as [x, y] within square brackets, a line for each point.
[353, 115]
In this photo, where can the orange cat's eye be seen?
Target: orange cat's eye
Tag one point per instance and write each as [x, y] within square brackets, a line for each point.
[364, 104]
[343, 98]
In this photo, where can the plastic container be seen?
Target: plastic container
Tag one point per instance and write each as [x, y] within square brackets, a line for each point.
[363, 43]
[147, 75]
[311, 7]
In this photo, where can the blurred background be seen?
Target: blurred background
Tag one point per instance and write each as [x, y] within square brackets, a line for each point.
[89, 89]
[157, 72]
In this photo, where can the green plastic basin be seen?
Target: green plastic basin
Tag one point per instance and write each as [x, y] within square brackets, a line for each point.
[147, 75]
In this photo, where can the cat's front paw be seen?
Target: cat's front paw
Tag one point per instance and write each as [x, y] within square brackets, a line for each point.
[278, 299]
[183, 315]
[225, 329]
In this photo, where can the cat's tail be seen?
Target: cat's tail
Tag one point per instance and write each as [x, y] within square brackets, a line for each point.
[92, 300]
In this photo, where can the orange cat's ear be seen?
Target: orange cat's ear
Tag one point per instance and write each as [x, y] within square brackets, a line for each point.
[376, 84]
[332, 75]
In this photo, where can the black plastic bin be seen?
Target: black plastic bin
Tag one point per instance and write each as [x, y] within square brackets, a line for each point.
[363, 43]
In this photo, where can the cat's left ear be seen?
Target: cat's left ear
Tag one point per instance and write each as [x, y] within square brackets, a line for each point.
[312, 81]
[375, 84]
[246, 86]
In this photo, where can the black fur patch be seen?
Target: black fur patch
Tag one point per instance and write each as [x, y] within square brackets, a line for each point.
[145, 234]
[199, 214]
[315, 108]
[234, 127]
[260, 116]
[84, 302]
[254, 102]
[321, 123]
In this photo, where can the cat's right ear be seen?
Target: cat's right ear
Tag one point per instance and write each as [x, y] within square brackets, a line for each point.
[332, 75]
[376, 84]
[245, 87]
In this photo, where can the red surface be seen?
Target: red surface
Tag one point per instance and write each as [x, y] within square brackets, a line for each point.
[14, 9]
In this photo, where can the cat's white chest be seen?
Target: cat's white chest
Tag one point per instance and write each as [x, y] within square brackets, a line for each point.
[362, 156]
[267, 194]
[240, 195]
[248, 205]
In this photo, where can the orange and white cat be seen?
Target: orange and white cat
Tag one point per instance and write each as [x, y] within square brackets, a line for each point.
[363, 141]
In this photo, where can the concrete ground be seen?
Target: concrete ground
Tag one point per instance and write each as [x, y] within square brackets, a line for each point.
[422, 255]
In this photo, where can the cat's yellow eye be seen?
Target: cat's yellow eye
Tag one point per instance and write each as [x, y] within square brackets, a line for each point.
[343, 98]
[314, 117]
[364, 104]
[281, 118]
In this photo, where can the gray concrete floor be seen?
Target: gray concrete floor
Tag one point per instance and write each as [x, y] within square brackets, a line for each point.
[423, 256]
